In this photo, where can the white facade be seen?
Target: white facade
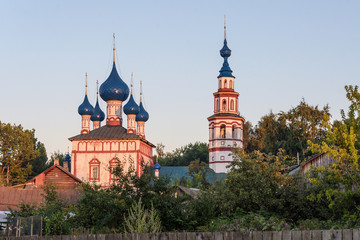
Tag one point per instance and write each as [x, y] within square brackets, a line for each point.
[226, 124]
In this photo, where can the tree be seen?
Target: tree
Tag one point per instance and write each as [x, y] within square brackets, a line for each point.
[289, 130]
[39, 164]
[17, 149]
[56, 155]
[199, 171]
[184, 155]
[339, 184]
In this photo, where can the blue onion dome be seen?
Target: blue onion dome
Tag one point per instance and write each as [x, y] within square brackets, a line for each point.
[114, 88]
[98, 114]
[131, 107]
[157, 166]
[86, 108]
[142, 115]
[225, 52]
[225, 70]
[67, 158]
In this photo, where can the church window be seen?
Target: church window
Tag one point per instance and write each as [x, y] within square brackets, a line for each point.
[230, 84]
[217, 105]
[233, 132]
[224, 105]
[94, 172]
[232, 105]
[114, 168]
[223, 131]
[225, 84]
[212, 132]
[220, 84]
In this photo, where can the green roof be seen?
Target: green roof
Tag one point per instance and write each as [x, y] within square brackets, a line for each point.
[178, 172]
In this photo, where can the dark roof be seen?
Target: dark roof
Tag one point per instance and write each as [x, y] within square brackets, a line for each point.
[311, 158]
[226, 115]
[13, 198]
[109, 132]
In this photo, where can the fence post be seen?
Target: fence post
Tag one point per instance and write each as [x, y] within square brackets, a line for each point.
[32, 226]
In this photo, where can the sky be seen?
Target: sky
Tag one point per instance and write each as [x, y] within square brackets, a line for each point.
[282, 51]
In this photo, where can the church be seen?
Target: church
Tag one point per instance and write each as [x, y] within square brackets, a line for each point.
[96, 151]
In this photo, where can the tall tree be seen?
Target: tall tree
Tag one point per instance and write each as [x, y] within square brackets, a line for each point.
[17, 149]
[39, 164]
[184, 155]
[289, 130]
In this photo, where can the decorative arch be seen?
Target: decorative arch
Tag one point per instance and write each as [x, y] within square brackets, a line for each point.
[224, 107]
[94, 170]
[230, 84]
[114, 168]
[225, 84]
[212, 131]
[232, 105]
[233, 130]
[217, 105]
[223, 131]
[220, 84]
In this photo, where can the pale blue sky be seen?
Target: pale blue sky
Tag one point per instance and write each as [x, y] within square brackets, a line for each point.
[282, 51]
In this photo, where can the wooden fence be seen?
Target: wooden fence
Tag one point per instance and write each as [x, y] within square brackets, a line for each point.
[345, 234]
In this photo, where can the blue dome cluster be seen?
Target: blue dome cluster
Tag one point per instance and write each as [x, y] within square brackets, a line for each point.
[98, 114]
[157, 166]
[131, 107]
[142, 115]
[86, 108]
[114, 88]
[225, 52]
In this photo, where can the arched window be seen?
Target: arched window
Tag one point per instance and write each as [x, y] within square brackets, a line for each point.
[232, 105]
[220, 84]
[223, 131]
[225, 84]
[114, 168]
[217, 105]
[212, 132]
[233, 132]
[230, 84]
[94, 170]
[224, 105]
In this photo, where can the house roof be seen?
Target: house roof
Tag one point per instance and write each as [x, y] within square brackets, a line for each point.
[109, 132]
[55, 166]
[13, 197]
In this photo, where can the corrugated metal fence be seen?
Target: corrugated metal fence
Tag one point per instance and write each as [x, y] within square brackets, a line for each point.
[345, 234]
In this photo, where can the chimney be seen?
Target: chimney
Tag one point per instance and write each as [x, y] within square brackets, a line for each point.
[56, 162]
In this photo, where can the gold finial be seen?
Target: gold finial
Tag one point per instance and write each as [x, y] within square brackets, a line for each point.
[113, 47]
[97, 90]
[140, 91]
[225, 26]
[131, 82]
[85, 83]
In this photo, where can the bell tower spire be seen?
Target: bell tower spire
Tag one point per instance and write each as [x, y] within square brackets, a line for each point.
[226, 124]
[113, 47]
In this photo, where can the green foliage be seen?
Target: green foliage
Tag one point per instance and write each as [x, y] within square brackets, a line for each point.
[54, 155]
[39, 164]
[54, 213]
[250, 222]
[289, 131]
[141, 220]
[198, 171]
[17, 149]
[184, 155]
